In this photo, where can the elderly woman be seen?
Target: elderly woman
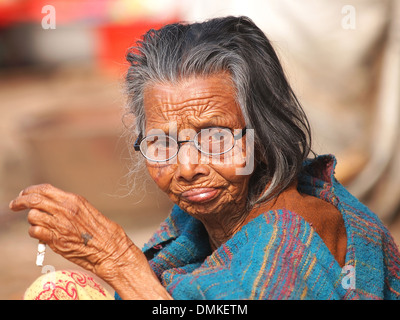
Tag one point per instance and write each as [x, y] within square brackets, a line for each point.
[224, 136]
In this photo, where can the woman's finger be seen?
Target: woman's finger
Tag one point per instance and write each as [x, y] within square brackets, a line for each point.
[34, 201]
[52, 207]
[41, 233]
[40, 218]
[46, 190]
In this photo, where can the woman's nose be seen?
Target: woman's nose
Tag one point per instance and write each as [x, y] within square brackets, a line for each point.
[189, 163]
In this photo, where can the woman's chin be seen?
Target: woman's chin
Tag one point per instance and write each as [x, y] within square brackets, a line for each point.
[199, 209]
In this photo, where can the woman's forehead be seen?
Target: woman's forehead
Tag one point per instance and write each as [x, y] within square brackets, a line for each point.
[193, 102]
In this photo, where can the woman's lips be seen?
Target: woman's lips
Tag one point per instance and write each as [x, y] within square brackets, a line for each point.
[200, 194]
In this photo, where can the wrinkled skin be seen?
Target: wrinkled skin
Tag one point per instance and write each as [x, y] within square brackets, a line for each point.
[195, 104]
[73, 228]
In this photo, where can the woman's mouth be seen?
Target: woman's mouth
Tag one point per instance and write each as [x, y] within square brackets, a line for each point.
[200, 194]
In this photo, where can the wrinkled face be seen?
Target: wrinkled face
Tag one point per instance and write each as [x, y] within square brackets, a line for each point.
[200, 184]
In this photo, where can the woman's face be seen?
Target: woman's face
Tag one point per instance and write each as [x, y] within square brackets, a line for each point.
[200, 184]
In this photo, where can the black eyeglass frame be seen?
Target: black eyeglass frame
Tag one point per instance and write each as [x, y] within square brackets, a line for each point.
[140, 138]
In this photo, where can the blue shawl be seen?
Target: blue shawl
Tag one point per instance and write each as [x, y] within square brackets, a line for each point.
[278, 255]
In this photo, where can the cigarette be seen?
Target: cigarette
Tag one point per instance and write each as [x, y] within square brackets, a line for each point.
[41, 250]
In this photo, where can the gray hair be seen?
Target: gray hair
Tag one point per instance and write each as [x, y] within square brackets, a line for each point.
[235, 45]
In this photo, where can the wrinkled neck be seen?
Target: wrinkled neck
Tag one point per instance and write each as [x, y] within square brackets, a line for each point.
[222, 227]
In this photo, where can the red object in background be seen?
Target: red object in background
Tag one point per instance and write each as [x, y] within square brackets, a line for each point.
[12, 12]
[67, 11]
[115, 39]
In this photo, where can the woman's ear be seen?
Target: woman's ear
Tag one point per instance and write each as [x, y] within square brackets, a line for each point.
[128, 120]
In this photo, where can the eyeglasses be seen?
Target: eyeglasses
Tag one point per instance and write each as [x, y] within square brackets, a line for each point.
[210, 141]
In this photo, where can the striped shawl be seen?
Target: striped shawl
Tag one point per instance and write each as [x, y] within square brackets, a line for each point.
[278, 255]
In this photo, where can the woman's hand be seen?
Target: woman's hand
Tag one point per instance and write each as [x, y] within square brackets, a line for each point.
[73, 228]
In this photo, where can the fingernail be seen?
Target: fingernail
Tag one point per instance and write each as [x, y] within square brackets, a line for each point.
[20, 194]
[10, 204]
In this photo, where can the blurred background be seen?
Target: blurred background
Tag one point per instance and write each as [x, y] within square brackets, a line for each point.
[62, 67]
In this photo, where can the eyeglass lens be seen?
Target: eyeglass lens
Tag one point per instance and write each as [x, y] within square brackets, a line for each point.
[211, 141]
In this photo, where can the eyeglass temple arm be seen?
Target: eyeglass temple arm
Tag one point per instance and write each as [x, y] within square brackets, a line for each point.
[136, 145]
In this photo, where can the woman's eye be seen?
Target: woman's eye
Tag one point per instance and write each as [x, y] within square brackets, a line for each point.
[217, 137]
[161, 144]
[215, 140]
